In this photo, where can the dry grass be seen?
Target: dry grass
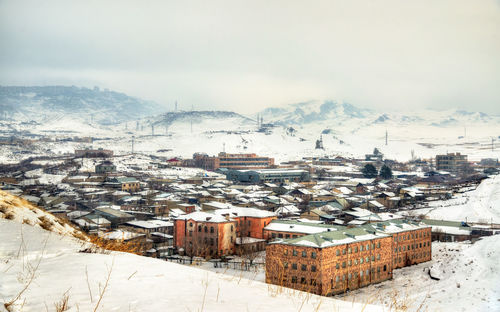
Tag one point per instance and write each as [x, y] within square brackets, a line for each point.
[63, 304]
[46, 223]
[95, 244]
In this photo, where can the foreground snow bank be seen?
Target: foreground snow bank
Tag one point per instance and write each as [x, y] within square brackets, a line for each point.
[135, 283]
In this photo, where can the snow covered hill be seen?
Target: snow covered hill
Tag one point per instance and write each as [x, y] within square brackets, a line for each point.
[51, 103]
[481, 205]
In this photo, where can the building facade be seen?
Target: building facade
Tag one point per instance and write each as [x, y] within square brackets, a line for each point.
[451, 162]
[334, 262]
[232, 161]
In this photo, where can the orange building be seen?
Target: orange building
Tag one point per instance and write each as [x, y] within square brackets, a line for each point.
[204, 234]
[232, 161]
[215, 234]
[334, 262]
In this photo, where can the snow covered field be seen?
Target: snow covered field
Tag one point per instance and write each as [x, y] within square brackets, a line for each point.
[480, 205]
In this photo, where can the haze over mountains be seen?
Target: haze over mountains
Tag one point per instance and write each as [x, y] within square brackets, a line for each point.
[105, 107]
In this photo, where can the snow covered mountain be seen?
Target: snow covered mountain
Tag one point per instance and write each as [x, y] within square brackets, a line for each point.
[313, 111]
[43, 104]
[333, 112]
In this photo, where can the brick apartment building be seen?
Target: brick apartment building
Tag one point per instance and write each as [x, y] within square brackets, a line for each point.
[221, 232]
[232, 161]
[333, 262]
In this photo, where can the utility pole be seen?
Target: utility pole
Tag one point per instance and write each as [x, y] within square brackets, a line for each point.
[133, 137]
[386, 137]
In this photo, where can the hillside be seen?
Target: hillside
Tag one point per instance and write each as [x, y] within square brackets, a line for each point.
[52, 103]
[52, 267]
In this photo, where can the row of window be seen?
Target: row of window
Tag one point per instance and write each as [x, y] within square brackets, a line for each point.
[280, 235]
[410, 236]
[411, 247]
[356, 261]
[363, 275]
[419, 255]
[303, 253]
[303, 267]
[361, 248]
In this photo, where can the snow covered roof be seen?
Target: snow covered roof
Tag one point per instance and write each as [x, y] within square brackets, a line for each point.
[201, 216]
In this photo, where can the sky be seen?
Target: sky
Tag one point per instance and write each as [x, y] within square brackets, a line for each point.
[245, 56]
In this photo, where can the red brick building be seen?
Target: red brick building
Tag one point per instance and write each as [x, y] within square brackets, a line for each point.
[232, 161]
[334, 262]
[219, 232]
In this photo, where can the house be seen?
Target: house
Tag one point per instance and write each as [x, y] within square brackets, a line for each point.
[105, 167]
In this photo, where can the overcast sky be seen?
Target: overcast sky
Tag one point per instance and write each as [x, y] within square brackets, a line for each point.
[248, 55]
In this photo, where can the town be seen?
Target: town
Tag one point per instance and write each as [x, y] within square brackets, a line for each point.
[325, 225]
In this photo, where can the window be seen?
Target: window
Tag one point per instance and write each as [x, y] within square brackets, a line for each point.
[294, 252]
[313, 282]
[285, 252]
[367, 259]
[361, 260]
[313, 255]
[337, 265]
[211, 229]
[343, 264]
[350, 250]
[355, 261]
[232, 228]
[337, 278]
[287, 235]
[190, 233]
[303, 267]
[385, 267]
[273, 235]
[211, 241]
[190, 223]
[303, 280]
[294, 279]
[294, 236]
[378, 256]
[378, 245]
[350, 262]
[361, 274]
[313, 268]
[199, 228]
[231, 239]
[206, 229]
[373, 258]
[294, 266]
[338, 252]
[343, 251]
[361, 248]
[304, 254]
[349, 277]
[367, 246]
[280, 235]
[356, 249]
[285, 265]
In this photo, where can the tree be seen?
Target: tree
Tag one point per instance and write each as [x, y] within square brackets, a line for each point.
[385, 172]
[369, 171]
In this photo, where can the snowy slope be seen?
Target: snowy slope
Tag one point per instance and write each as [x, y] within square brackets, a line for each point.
[481, 205]
[135, 283]
[50, 103]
